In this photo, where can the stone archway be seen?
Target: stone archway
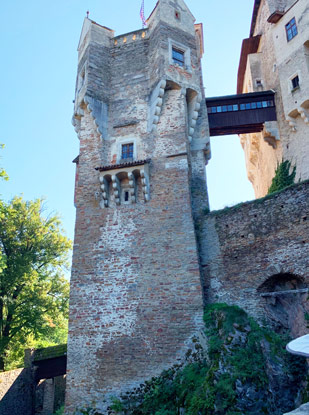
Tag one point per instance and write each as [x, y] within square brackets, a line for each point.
[285, 299]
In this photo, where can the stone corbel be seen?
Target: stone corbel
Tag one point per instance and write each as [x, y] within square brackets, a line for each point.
[304, 114]
[292, 124]
[105, 191]
[99, 112]
[156, 101]
[145, 184]
[132, 185]
[271, 133]
[193, 115]
[116, 188]
[76, 119]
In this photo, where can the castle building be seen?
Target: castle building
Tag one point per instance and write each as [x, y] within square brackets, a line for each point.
[147, 253]
[136, 297]
[276, 57]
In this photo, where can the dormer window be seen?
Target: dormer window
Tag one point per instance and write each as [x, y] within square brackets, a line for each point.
[291, 29]
[127, 151]
[178, 56]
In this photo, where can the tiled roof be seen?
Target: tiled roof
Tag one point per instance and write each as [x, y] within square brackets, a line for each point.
[122, 165]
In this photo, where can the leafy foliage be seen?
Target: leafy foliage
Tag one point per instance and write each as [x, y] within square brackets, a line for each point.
[3, 174]
[60, 411]
[33, 290]
[283, 178]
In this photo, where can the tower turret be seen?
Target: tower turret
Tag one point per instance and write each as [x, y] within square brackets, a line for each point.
[136, 296]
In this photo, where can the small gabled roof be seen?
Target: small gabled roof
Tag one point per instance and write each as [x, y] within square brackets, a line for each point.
[86, 26]
[181, 3]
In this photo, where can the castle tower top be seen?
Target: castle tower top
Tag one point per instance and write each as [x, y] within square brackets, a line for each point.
[176, 12]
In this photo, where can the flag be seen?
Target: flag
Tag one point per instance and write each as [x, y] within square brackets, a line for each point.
[142, 14]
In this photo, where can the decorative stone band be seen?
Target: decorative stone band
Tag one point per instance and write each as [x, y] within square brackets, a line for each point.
[113, 176]
[194, 107]
[99, 112]
[156, 100]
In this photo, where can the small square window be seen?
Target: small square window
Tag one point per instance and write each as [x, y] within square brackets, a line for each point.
[235, 107]
[127, 151]
[230, 107]
[295, 82]
[291, 29]
[178, 56]
[253, 105]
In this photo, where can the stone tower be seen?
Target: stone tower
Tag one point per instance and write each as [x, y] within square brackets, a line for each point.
[136, 296]
[276, 56]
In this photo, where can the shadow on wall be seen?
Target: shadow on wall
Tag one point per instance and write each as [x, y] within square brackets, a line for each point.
[285, 300]
[16, 392]
[21, 395]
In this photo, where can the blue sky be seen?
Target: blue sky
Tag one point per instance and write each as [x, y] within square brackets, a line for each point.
[38, 48]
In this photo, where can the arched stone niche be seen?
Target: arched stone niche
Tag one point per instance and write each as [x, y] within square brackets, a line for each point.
[124, 184]
[285, 300]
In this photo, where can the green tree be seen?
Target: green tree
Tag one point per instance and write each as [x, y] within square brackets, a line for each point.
[3, 174]
[33, 290]
[284, 176]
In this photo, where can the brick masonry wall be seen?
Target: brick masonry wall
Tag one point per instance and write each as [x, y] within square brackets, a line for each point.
[242, 247]
[16, 392]
[136, 298]
[135, 291]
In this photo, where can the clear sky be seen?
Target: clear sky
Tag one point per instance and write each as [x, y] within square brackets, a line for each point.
[39, 59]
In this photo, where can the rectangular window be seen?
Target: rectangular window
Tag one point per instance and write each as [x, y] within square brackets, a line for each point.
[235, 107]
[127, 151]
[291, 29]
[295, 82]
[253, 105]
[178, 56]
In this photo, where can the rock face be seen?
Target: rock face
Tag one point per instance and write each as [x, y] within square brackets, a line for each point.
[302, 410]
[241, 368]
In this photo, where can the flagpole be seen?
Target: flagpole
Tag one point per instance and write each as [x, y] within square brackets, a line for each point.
[142, 14]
